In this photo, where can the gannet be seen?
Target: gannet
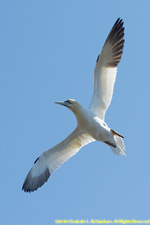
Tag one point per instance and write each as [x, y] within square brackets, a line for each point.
[90, 122]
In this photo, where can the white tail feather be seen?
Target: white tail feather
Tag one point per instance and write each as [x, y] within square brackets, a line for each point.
[120, 149]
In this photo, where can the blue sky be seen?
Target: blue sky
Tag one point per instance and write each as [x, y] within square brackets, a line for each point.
[48, 53]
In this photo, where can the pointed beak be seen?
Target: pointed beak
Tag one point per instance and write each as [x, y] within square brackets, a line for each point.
[60, 103]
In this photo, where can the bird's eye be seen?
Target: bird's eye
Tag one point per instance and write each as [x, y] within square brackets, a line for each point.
[67, 101]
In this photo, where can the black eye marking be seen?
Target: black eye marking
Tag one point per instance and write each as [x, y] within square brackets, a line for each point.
[67, 101]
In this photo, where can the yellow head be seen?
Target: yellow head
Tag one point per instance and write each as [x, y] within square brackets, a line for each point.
[71, 104]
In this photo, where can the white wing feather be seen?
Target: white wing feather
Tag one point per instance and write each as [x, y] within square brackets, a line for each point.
[106, 70]
[57, 155]
[53, 158]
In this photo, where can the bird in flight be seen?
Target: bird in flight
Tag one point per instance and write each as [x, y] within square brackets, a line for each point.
[90, 122]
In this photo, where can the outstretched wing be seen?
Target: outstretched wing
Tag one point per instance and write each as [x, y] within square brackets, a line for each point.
[106, 70]
[52, 159]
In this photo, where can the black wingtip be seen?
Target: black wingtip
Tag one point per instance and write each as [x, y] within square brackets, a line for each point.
[33, 183]
[116, 38]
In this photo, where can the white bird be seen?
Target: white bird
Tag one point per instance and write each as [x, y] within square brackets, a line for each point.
[90, 122]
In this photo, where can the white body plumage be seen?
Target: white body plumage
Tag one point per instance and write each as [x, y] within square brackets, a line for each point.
[90, 122]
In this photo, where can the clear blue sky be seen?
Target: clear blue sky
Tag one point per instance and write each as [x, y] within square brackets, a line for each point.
[48, 51]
